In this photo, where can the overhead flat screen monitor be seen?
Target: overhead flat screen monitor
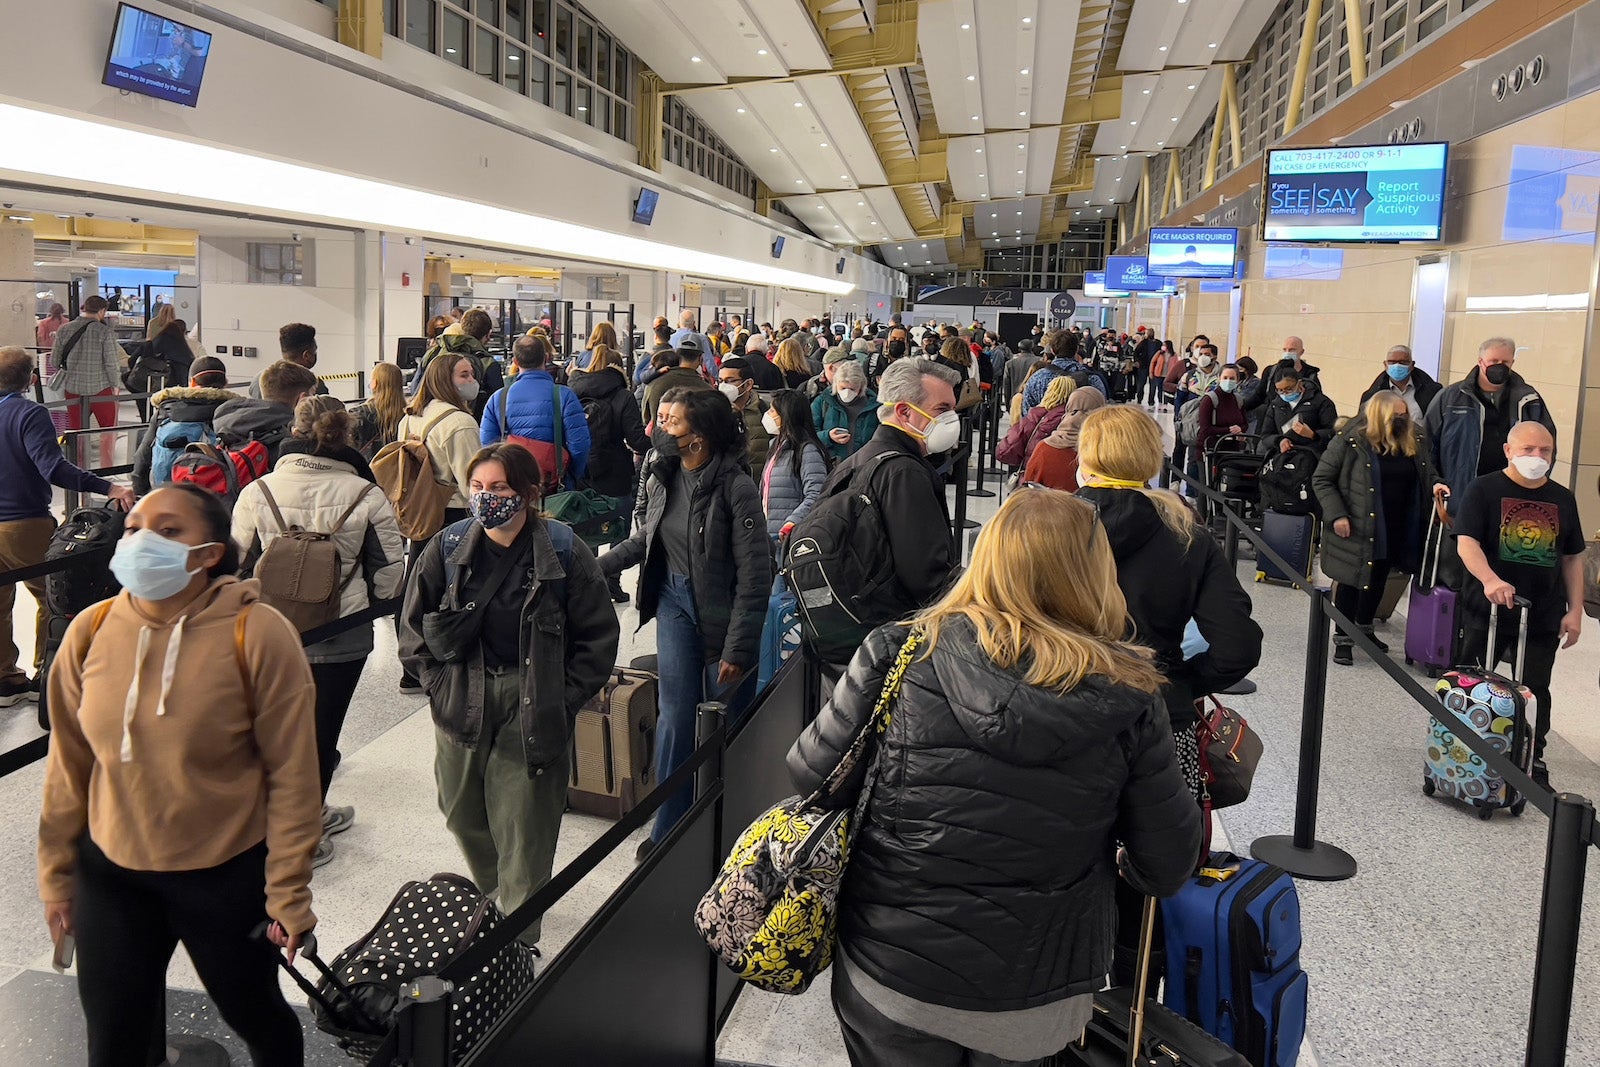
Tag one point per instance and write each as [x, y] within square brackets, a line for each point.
[1094, 284]
[644, 208]
[1370, 193]
[1131, 274]
[777, 247]
[1314, 264]
[155, 56]
[1205, 252]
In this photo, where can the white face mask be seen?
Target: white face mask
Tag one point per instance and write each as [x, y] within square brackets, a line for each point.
[468, 391]
[770, 421]
[942, 433]
[847, 395]
[731, 391]
[1206, 359]
[1531, 467]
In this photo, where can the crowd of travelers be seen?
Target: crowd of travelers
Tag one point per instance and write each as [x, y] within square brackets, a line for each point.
[1042, 765]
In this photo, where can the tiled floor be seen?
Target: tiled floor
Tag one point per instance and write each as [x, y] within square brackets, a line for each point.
[1424, 958]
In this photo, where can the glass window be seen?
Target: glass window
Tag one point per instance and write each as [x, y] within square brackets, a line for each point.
[489, 11]
[563, 48]
[393, 16]
[539, 23]
[602, 112]
[516, 69]
[1430, 24]
[419, 23]
[619, 119]
[561, 92]
[585, 61]
[516, 25]
[582, 94]
[455, 38]
[539, 80]
[486, 52]
[622, 74]
[602, 60]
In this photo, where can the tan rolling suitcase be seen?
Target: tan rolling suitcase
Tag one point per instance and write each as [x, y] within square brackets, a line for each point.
[614, 746]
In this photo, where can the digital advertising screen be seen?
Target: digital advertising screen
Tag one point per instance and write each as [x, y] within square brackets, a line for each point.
[155, 56]
[1316, 264]
[1131, 274]
[1203, 252]
[1553, 195]
[1094, 284]
[1361, 193]
[644, 208]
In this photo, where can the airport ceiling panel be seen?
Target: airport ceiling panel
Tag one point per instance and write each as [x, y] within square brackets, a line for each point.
[814, 122]
[996, 64]
[1191, 33]
[1116, 178]
[886, 209]
[691, 42]
[1003, 223]
[1000, 165]
[919, 255]
[1160, 111]
[853, 217]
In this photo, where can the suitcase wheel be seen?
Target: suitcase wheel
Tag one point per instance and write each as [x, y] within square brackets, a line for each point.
[1427, 787]
[1408, 661]
[1520, 806]
[1485, 813]
[1433, 672]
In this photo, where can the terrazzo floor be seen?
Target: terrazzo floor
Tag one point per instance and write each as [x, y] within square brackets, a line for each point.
[1423, 958]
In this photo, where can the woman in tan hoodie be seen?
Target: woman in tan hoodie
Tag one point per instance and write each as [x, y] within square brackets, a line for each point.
[181, 797]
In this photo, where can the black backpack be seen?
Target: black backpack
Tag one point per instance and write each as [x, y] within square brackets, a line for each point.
[87, 530]
[602, 420]
[840, 570]
[1285, 482]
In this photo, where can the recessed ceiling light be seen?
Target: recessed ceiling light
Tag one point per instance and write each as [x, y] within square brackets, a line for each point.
[1147, 92]
[1022, 146]
[1133, 122]
[1191, 87]
[974, 118]
[1174, 118]
[1098, 210]
[1124, 148]
[801, 181]
[761, 51]
[861, 203]
[582, 108]
[1163, 48]
[966, 25]
[512, 57]
[772, 150]
[1119, 178]
[740, 110]
[1160, 143]
[799, 103]
[1019, 214]
[1024, 114]
[449, 51]
[972, 77]
[995, 234]
[1023, 72]
[694, 59]
[1021, 172]
[844, 177]
[979, 151]
[1211, 45]
[1019, 231]
[1025, 21]
[980, 175]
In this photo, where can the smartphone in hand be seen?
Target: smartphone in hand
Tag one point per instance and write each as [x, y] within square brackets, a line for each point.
[66, 949]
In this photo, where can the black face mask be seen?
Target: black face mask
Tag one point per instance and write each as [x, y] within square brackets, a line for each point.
[1497, 373]
[667, 446]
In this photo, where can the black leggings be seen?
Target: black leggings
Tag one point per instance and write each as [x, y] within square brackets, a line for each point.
[336, 687]
[1361, 605]
[128, 923]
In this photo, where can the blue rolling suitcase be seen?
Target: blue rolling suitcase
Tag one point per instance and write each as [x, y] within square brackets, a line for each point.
[780, 637]
[1233, 958]
[1292, 537]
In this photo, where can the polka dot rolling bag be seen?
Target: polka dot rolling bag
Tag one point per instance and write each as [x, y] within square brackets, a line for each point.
[771, 912]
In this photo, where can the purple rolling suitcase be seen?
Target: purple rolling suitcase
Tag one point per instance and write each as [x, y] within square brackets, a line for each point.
[1431, 611]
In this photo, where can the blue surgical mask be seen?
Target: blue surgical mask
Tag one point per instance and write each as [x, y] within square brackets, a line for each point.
[1227, 385]
[1398, 372]
[1289, 398]
[152, 567]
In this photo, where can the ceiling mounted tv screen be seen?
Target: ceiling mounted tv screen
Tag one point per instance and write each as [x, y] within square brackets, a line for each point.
[154, 56]
[1131, 274]
[1179, 252]
[644, 208]
[1370, 193]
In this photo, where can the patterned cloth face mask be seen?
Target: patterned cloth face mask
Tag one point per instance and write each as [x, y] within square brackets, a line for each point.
[493, 510]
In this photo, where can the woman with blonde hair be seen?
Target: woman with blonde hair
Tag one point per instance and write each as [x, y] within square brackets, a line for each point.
[1024, 436]
[1028, 739]
[604, 334]
[1169, 571]
[378, 417]
[791, 360]
[1374, 484]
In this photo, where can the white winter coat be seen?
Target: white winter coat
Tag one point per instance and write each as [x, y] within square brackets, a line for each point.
[312, 492]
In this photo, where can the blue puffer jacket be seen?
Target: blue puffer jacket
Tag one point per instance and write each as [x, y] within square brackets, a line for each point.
[786, 497]
[1455, 428]
[530, 413]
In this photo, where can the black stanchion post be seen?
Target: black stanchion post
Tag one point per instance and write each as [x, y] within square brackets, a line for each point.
[1302, 855]
[424, 1023]
[709, 717]
[1230, 544]
[981, 419]
[711, 721]
[1560, 912]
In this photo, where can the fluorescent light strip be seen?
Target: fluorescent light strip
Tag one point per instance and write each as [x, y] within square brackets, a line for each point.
[92, 152]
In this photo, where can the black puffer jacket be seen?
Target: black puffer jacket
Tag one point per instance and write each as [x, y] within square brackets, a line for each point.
[1166, 584]
[982, 878]
[182, 404]
[731, 556]
[611, 469]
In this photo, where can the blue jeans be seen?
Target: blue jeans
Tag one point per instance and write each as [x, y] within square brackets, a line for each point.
[688, 676]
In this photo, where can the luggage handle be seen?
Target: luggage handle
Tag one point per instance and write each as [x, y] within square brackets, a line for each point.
[1434, 541]
[308, 949]
[1491, 650]
[1141, 986]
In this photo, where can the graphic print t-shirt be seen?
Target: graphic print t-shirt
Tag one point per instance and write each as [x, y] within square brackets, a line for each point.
[1525, 533]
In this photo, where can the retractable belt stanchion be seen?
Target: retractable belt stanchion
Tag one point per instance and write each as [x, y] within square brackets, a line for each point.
[1302, 855]
[1560, 915]
[980, 417]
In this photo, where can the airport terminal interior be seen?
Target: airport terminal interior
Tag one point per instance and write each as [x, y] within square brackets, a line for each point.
[1331, 253]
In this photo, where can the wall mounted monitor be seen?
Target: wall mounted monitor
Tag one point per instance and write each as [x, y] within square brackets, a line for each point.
[1094, 284]
[1191, 252]
[154, 56]
[1312, 264]
[838, 268]
[777, 248]
[1360, 193]
[644, 208]
[1131, 274]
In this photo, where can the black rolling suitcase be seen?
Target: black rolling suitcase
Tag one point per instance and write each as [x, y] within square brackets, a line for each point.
[87, 531]
[1129, 1028]
[1293, 537]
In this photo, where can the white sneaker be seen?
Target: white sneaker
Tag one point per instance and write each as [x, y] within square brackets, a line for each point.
[336, 820]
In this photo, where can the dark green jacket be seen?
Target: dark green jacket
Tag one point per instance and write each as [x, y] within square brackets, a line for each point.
[1346, 489]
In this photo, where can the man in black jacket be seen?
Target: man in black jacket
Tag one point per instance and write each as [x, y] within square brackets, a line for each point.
[916, 411]
[1297, 415]
[1416, 387]
[1143, 353]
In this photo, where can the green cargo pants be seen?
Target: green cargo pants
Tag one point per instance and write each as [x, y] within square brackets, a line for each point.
[505, 821]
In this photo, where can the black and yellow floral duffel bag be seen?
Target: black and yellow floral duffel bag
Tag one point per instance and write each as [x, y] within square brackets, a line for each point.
[770, 914]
